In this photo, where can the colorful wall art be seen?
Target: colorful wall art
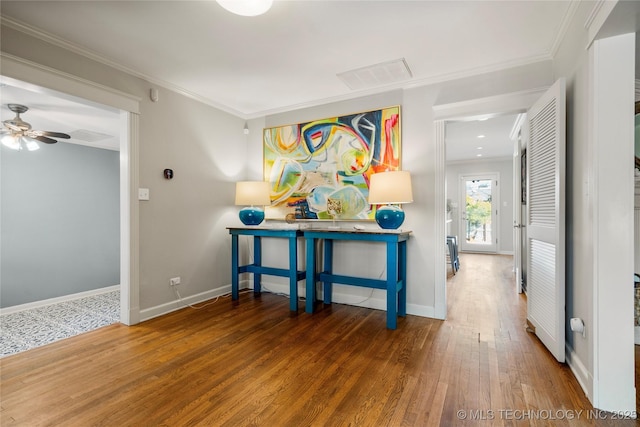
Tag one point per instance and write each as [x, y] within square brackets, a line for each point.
[314, 167]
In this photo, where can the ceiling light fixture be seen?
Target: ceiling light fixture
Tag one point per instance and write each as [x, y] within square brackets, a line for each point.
[17, 142]
[18, 133]
[246, 7]
[480, 136]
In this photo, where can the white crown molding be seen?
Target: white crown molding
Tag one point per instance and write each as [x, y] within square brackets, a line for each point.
[597, 17]
[431, 80]
[442, 78]
[57, 41]
[594, 13]
[564, 26]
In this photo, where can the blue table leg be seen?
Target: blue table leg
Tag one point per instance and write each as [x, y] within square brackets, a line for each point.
[402, 296]
[311, 275]
[257, 261]
[328, 268]
[392, 283]
[293, 274]
[234, 267]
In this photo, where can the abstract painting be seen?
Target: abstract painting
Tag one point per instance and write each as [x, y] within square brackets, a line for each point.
[315, 166]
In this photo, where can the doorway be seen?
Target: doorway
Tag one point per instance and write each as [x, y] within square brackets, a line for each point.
[45, 80]
[479, 202]
[512, 103]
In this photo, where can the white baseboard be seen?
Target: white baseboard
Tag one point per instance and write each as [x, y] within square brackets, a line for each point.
[377, 301]
[579, 370]
[56, 300]
[162, 309]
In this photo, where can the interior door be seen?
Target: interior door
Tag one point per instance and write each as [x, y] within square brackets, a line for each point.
[519, 199]
[546, 219]
[479, 207]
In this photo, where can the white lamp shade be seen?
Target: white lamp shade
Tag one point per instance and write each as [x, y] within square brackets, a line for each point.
[390, 188]
[246, 7]
[252, 193]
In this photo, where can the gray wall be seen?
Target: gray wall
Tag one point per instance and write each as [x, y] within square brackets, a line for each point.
[182, 227]
[60, 222]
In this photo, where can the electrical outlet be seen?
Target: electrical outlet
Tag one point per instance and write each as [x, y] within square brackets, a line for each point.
[174, 281]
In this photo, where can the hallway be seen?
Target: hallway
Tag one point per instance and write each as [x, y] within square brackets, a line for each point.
[482, 299]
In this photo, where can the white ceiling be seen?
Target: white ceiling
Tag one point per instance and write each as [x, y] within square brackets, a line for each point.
[484, 139]
[291, 56]
[86, 124]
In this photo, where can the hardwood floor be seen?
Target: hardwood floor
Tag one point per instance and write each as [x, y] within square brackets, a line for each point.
[255, 364]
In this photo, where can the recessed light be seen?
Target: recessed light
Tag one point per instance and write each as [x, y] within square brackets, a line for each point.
[478, 155]
[480, 136]
[479, 148]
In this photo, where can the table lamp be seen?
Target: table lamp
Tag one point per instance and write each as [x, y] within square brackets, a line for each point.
[390, 189]
[254, 195]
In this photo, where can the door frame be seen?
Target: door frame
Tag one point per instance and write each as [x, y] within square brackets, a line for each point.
[519, 138]
[30, 75]
[516, 102]
[495, 206]
[611, 63]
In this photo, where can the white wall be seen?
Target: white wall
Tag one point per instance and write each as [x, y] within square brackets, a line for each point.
[505, 217]
[571, 62]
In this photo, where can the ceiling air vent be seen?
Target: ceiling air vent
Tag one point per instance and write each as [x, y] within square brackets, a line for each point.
[381, 74]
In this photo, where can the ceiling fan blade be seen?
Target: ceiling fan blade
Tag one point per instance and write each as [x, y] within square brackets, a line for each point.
[54, 134]
[44, 139]
[35, 133]
[12, 127]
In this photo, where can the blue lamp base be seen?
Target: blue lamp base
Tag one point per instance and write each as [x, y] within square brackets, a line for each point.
[389, 217]
[251, 215]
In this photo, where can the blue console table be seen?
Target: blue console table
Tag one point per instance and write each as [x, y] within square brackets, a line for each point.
[395, 283]
[257, 268]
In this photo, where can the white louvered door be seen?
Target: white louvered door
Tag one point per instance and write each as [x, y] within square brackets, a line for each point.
[546, 219]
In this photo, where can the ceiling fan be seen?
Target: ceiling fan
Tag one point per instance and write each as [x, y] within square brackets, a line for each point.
[18, 133]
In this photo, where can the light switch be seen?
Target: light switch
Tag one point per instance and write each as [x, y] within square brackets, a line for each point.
[143, 194]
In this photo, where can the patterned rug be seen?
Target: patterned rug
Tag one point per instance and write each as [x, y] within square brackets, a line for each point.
[36, 327]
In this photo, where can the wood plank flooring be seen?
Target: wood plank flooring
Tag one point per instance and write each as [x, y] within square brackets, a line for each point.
[253, 363]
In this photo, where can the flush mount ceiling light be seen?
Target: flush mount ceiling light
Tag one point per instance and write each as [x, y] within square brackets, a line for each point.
[246, 7]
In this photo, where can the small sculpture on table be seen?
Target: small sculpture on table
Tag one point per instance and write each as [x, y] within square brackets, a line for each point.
[334, 208]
